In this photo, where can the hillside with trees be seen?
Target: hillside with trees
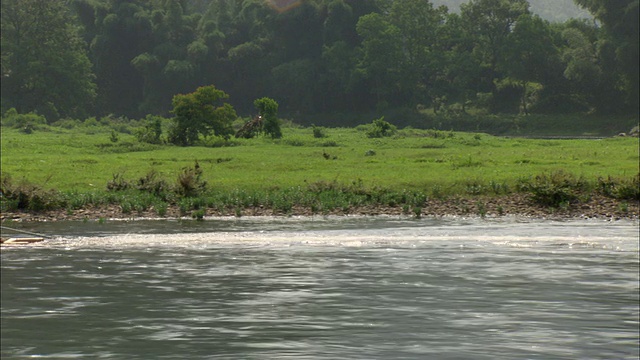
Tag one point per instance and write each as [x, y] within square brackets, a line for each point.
[71, 59]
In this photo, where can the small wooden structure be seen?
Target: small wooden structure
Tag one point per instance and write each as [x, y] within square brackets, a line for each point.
[24, 237]
[18, 240]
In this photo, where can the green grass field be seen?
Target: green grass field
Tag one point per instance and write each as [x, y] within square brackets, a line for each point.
[434, 163]
[412, 159]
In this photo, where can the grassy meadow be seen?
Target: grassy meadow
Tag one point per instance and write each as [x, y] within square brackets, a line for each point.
[81, 161]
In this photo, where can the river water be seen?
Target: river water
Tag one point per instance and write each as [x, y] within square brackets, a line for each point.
[324, 288]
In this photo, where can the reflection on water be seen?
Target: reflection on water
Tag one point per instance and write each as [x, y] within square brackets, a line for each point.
[325, 288]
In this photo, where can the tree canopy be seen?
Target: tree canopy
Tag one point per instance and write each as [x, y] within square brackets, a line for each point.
[130, 58]
[202, 112]
[45, 67]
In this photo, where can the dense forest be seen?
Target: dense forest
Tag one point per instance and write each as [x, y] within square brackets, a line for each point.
[80, 58]
[551, 10]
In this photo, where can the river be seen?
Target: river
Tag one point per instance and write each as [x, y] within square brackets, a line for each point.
[324, 288]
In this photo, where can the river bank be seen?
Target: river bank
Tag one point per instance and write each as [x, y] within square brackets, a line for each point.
[597, 206]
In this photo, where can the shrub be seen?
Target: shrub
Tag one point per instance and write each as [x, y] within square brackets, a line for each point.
[151, 183]
[556, 189]
[26, 122]
[318, 132]
[67, 123]
[161, 208]
[114, 136]
[151, 132]
[620, 189]
[329, 143]
[381, 128]
[268, 110]
[198, 214]
[26, 196]
[189, 181]
[118, 183]
[91, 122]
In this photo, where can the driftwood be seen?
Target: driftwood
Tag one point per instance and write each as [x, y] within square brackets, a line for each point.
[251, 128]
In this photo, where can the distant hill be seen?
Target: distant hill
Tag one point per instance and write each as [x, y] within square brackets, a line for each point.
[552, 10]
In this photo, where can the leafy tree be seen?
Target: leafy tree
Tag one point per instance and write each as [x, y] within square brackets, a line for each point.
[620, 20]
[400, 50]
[420, 27]
[591, 68]
[529, 50]
[123, 30]
[335, 83]
[202, 112]
[268, 109]
[151, 132]
[381, 51]
[173, 63]
[239, 36]
[295, 82]
[491, 22]
[338, 22]
[338, 86]
[459, 79]
[44, 62]
[381, 128]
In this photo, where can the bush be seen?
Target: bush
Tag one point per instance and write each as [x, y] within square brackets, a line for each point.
[151, 132]
[91, 122]
[26, 122]
[26, 196]
[118, 183]
[151, 183]
[189, 181]
[318, 132]
[381, 128]
[268, 109]
[555, 189]
[67, 123]
[620, 189]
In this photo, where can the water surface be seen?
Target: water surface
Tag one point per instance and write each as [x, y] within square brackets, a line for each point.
[324, 288]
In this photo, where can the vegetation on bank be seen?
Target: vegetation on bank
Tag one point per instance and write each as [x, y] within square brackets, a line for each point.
[98, 162]
[79, 58]
[422, 72]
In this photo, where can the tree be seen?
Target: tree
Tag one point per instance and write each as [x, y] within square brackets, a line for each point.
[529, 51]
[44, 63]
[420, 25]
[268, 109]
[459, 81]
[592, 70]
[173, 65]
[381, 54]
[399, 49]
[202, 112]
[122, 31]
[491, 22]
[620, 20]
[334, 81]
[239, 38]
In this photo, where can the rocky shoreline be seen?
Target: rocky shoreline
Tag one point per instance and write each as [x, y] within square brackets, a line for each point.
[598, 207]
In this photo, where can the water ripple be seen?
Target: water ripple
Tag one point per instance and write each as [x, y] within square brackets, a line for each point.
[403, 292]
